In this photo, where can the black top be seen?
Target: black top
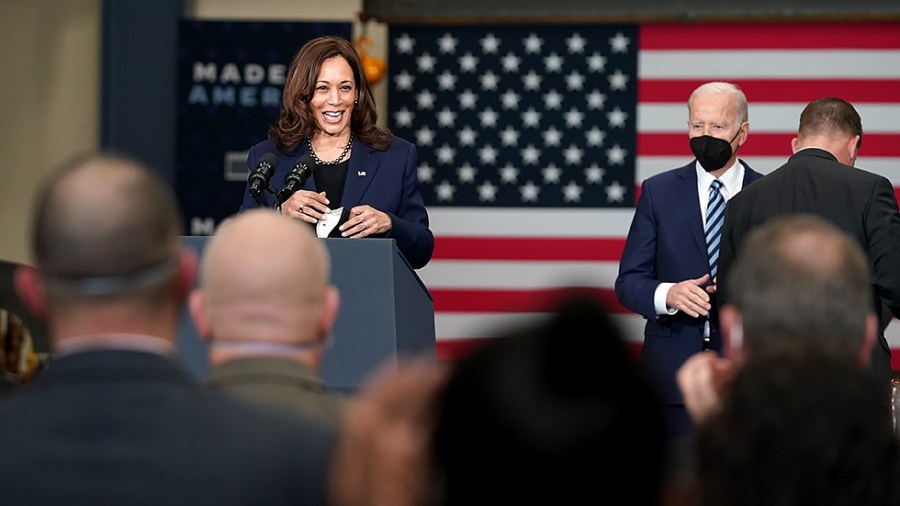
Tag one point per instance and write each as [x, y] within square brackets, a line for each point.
[330, 179]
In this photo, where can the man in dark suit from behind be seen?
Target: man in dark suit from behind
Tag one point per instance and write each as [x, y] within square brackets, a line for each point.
[114, 419]
[820, 179]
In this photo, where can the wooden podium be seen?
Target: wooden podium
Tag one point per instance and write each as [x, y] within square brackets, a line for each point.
[385, 311]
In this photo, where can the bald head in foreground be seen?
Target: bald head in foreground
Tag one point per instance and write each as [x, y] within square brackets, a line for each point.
[114, 419]
[267, 309]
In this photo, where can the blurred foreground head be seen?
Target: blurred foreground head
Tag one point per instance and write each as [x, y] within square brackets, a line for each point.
[553, 413]
[800, 425]
[106, 234]
[800, 278]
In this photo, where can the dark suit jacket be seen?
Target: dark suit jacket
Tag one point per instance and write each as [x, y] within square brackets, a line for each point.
[859, 202]
[666, 243]
[386, 180]
[125, 427]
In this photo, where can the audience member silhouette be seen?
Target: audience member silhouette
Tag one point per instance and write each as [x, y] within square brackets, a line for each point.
[554, 413]
[803, 424]
[267, 315]
[114, 419]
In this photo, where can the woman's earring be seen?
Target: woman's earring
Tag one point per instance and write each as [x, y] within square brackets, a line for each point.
[356, 102]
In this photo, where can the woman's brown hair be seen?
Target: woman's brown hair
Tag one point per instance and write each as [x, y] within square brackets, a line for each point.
[296, 120]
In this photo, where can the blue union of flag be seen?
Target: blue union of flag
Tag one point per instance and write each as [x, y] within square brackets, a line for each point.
[518, 115]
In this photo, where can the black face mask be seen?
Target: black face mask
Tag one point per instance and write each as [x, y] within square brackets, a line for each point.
[712, 153]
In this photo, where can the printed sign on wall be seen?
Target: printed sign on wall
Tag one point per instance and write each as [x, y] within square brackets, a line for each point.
[230, 76]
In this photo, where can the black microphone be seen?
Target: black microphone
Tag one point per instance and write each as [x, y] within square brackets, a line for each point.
[259, 178]
[295, 179]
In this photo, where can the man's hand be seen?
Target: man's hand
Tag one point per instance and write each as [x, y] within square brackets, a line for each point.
[690, 296]
[382, 457]
[702, 379]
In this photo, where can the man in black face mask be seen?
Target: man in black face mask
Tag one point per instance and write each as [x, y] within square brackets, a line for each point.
[668, 268]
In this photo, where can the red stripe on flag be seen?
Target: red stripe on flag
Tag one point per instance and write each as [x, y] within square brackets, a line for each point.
[776, 91]
[529, 248]
[456, 349]
[517, 301]
[667, 144]
[771, 36]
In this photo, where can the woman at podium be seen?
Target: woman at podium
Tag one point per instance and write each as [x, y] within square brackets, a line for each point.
[340, 172]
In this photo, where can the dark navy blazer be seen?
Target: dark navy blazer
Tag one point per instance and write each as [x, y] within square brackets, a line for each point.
[386, 180]
[666, 243]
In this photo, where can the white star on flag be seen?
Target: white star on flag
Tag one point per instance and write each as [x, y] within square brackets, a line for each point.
[424, 136]
[510, 136]
[487, 192]
[405, 44]
[468, 63]
[533, 43]
[509, 174]
[404, 80]
[425, 173]
[490, 44]
[553, 100]
[447, 44]
[467, 99]
[466, 173]
[446, 80]
[572, 192]
[511, 62]
[619, 43]
[467, 136]
[551, 173]
[530, 192]
[426, 62]
[553, 63]
[510, 99]
[552, 136]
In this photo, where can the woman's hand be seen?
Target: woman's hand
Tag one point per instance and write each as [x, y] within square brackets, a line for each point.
[365, 221]
[307, 206]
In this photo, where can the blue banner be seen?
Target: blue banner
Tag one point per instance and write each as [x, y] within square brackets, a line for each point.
[230, 76]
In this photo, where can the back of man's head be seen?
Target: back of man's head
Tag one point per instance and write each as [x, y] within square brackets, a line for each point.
[829, 116]
[265, 278]
[799, 425]
[799, 277]
[538, 416]
[106, 228]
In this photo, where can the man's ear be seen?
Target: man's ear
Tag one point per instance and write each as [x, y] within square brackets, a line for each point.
[853, 149]
[869, 339]
[744, 133]
[732, 331]
[199, 315]
[30, 289]
[330, 307]
[795, 144]
[187, 272]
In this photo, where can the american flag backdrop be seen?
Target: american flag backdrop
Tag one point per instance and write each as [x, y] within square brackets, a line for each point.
[533, 141]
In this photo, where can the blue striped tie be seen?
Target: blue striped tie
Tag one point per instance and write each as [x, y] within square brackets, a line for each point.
[715, 215]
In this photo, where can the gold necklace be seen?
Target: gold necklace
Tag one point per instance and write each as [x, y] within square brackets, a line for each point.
[337, 160]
